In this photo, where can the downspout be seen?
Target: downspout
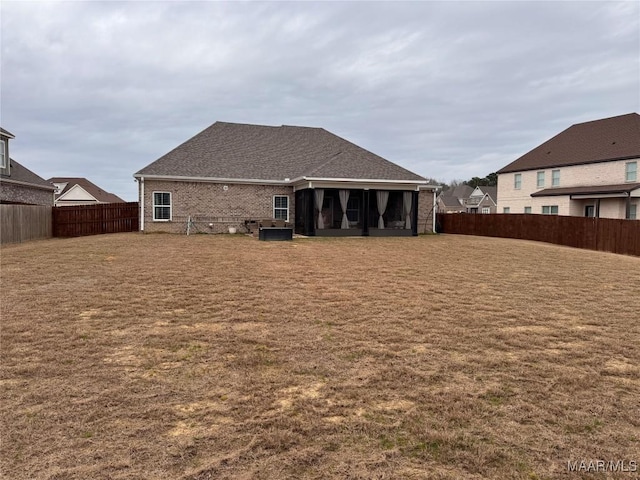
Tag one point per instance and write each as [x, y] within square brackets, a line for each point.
[433, 228]
[142, 204]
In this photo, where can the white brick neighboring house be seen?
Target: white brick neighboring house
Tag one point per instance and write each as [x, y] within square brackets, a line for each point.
[589, 169]
[230, 174]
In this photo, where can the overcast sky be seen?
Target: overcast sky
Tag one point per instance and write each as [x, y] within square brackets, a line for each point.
[449, 90]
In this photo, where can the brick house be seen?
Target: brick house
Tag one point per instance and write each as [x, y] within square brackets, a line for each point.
[589, 169]
[230, 174]
[18, 184]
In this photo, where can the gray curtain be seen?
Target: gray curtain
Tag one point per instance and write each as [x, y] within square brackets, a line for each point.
[319, 194]
[344, 199]
[382, 196]
[407, 209]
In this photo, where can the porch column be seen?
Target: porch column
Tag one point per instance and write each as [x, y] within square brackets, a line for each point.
[310, 217]
[627, 207]
[365, 213]
[414, 215]
[597, 208]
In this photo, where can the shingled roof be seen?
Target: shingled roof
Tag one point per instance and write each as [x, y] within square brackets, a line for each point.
[21, 174]
[588, 190]
[91, 188]
[615, 138]
[257, 152]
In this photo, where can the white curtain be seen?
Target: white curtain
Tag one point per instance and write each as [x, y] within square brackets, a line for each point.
[382, 196]
[344, 199]
[319, 193]
[407, 209]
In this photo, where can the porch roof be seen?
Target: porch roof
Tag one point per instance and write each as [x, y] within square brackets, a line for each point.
[623, 189]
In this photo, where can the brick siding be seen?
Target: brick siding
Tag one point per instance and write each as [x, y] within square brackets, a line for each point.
[425, 211]
[210, 203]
[13, 193]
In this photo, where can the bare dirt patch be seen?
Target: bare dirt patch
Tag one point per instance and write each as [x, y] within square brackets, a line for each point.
[134, 356]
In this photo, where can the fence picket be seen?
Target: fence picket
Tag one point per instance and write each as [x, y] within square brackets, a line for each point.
[604, 234]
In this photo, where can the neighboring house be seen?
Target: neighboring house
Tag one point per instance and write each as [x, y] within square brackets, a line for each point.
[18, 184]
[232, 173]
[455, 199]
[482, 200]
[80, 191]
[589, 169]
[450, 204]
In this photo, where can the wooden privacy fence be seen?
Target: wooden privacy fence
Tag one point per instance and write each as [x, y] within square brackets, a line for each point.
[604, 234]
[81, 220]
[20, 223]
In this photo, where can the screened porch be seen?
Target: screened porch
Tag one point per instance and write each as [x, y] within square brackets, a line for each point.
[355, 212]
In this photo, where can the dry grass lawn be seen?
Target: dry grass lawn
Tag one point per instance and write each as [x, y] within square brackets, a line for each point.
[135, 356]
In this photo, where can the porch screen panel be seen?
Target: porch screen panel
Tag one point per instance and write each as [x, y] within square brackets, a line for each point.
[344, 199]
[382, 196]
[407, 209]
[319, 194]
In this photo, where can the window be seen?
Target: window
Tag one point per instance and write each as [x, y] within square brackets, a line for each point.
[550, 210]
[486, 210]
[540, 180]
[353, 209]
[631, 171]
[3, 162]
[517, 181]
[555, 178]
[527, 209]
[633, 212]
[506, 210]
[281, 207]
[161, 206]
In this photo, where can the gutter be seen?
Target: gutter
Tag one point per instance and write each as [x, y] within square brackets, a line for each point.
[285, 181]
[27, 184]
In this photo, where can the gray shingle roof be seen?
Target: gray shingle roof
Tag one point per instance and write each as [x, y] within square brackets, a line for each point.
[20, 173]
[615, 138]
[450, 201]
[492, 191]
[240, 151]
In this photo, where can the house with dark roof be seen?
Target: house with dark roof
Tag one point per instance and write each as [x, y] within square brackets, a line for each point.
[454, 199]
[482, 200]
[466, 199]
[18, 184]
[80, 191]
[590, 169]
[231, 174]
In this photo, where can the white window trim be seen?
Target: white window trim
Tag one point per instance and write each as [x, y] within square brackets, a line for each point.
[280, 208]
[517, 181]
[553, 180]
[633, 211]
[153, 207]
[550, 212]
[506, 210]
[627, 171]
[540, 176]
[3, 158]
[528, 210]
[486, 210]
